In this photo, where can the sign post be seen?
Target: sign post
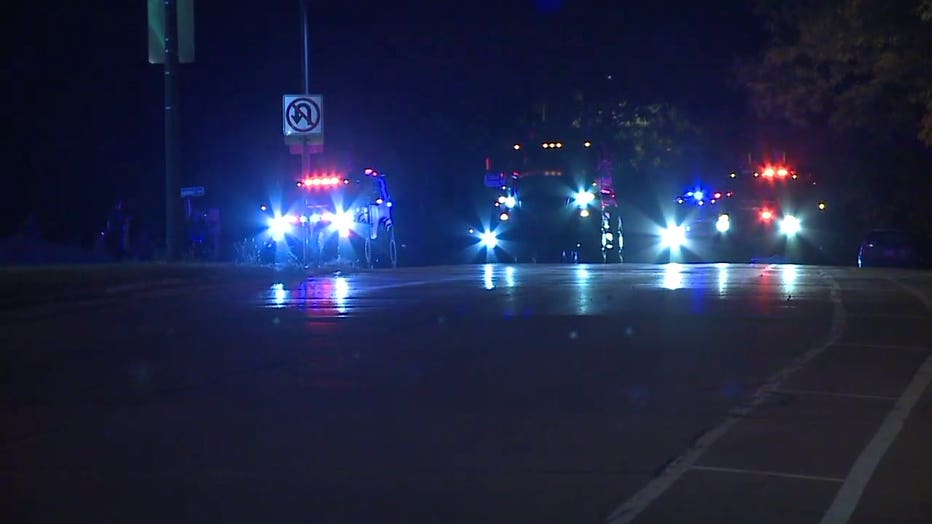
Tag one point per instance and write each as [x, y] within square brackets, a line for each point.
[303, 114]
[171, 40]
[187, 193]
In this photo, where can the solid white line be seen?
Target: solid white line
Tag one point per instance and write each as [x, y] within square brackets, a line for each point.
[834, 394]
[850, 492]
[848, 496]
[768, 473]
[638, 502]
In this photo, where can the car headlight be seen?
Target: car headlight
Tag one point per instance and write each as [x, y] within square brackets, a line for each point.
[279, 226]
[488, 239]
[790, 225]
[723, 224]
[673, 236]
[343, 222]
[583, 198]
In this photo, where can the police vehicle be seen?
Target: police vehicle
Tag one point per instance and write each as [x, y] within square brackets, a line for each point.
[550, 200]
[771, 213]
[332, 217]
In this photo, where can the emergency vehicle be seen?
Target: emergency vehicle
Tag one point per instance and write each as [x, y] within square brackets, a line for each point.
[768, 213]
[333, 217]
[551, 200]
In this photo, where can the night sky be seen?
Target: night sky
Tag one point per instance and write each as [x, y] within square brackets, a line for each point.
[417, 89]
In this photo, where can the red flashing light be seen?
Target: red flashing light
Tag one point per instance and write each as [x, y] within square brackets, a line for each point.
[321, 181]
[730, 194]
[717, 195]
[766, 215]
[770, 171]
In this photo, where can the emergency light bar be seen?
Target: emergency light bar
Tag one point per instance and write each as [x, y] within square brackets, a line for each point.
[323, 182]
[771, 171]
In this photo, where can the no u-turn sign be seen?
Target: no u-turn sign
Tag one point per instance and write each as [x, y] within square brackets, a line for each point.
[302, 115]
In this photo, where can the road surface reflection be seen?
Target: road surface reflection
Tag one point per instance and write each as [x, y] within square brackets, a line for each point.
[511, 290]
[324, 295]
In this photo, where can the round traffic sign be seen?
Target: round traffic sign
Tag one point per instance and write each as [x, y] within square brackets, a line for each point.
[303, 115]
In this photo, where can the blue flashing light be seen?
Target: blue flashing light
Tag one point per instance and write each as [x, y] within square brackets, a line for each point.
[583, 198]
[488, 239]
[279, 226]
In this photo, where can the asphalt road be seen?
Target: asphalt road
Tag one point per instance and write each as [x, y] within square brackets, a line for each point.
[623, 393]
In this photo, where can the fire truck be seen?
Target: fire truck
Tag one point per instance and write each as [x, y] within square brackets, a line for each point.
[332, 217]
[770, 212]
[550, 200]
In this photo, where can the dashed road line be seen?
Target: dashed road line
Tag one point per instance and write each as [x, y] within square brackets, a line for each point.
[766, 473]
[641, 500]
[849, 495]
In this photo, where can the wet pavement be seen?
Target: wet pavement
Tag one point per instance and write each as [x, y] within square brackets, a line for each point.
[627, 393]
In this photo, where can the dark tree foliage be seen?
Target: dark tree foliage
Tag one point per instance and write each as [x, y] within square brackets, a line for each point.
[850, 64]
[644, 139]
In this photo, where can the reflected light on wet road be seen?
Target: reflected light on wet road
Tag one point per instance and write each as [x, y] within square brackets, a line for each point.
[279, 295]
[341, 291]
[788, 274]
[487, 277]
[510, 276]
[324, 296]
[584, 297]
[672, 276]
[722, 278]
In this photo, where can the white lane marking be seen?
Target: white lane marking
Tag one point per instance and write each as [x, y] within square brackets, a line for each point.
[848, 496]
[768, 473]
[834, 394]
[638, 502]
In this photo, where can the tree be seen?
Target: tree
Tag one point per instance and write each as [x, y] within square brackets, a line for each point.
[851, 64]
[644, 138]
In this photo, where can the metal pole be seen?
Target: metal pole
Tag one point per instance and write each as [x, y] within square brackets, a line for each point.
[305, 67]
[170, 148]
[305, 158]
[304, 48]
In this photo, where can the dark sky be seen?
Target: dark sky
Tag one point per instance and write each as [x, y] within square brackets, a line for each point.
[415, 88]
